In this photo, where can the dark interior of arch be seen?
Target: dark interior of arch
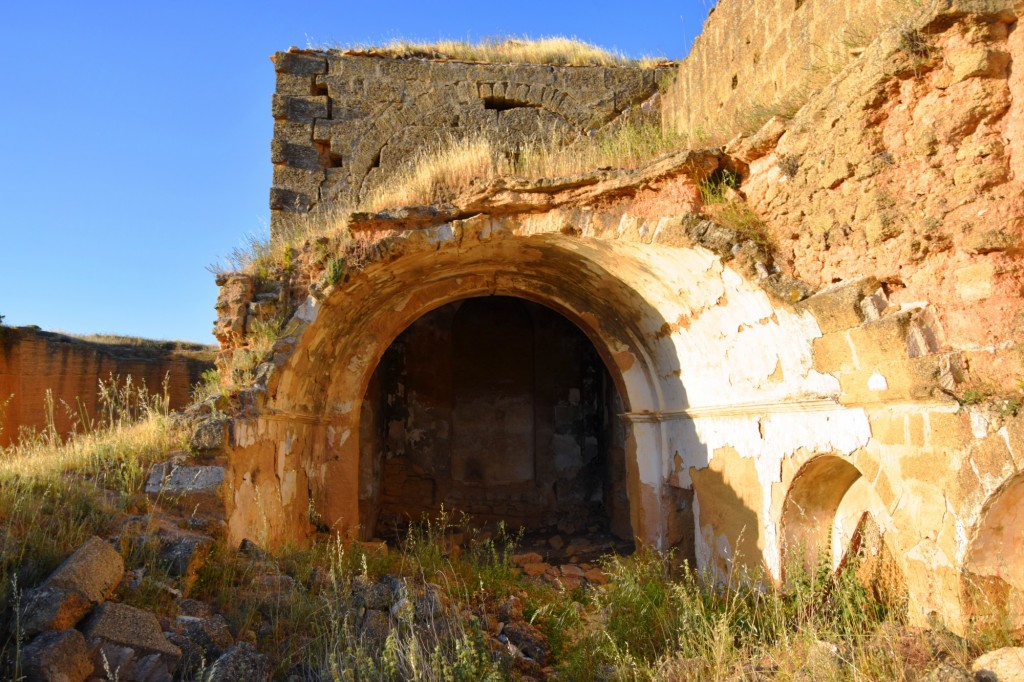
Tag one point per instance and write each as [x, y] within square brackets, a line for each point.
[500, 408]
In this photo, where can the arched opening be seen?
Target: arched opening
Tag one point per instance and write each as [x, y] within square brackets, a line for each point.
[498, 407]
[824, 510]
[993, 582]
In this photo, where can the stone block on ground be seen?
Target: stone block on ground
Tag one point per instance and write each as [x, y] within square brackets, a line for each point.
[240, 662]
[57, 657]
[131, 641]
[193, 490]
[85, 579]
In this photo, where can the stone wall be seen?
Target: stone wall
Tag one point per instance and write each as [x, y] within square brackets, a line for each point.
[344, 121]
[33, 362]
[759, 56]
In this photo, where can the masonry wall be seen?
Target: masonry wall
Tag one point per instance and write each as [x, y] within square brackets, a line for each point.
[758, 56]
[344, 121]
[33, 362]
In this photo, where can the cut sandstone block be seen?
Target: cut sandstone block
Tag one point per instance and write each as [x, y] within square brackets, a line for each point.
[85, 579]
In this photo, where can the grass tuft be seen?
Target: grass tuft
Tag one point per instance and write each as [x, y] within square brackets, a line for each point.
[554, 51]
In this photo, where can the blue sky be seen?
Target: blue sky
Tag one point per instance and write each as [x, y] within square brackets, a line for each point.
[135, 136]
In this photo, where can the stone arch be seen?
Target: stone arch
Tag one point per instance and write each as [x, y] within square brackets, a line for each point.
[993, 571]
[318, 390]
[826, 509]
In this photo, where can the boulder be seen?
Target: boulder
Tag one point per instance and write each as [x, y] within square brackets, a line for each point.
[57, 657]
[240, 662]
[130, 640]
[85, 579]
[1001, 665]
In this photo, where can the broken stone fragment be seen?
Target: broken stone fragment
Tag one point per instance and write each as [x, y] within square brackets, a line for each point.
[130, 640]
[57, 657]
[240, 662]
[191, 489]
[527, 558]
[430, 604]
[839, 307]
[85, 579]
[535, 569]
[184, 556]
[573, 570]
[528, 639]
[210, 634]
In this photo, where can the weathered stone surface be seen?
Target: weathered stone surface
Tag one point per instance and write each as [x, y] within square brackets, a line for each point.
[84, 580]
[1001, 665]
[131, 641]
[182, 557]
[209, 633]
[58, 656]
[240, 662]
[191, 489]
[839, 307]
[51, 608]
[210, 434]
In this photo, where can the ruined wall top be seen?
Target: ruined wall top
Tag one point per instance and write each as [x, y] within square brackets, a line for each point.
[343, 121]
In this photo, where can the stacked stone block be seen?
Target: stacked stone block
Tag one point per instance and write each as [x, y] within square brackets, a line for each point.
[343, 122]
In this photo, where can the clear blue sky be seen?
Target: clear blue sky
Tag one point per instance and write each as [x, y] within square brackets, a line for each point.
[135, 136]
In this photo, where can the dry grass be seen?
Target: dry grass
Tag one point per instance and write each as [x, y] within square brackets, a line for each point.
[440, 173]
[554, 51]
[139, 342]
[55, 493]
[437, 174]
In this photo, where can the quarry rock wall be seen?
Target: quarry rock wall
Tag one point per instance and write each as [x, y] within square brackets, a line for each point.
[33, 362]
[343, 122]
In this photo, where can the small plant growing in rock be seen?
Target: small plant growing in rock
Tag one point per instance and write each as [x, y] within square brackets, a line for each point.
[789, 164]
[719, 186]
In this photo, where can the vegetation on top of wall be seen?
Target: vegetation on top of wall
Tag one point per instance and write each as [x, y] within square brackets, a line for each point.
[456, 164]
[553, 51]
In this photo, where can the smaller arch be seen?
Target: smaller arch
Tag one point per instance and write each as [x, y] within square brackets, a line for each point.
[992, 582]
[824, 512]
